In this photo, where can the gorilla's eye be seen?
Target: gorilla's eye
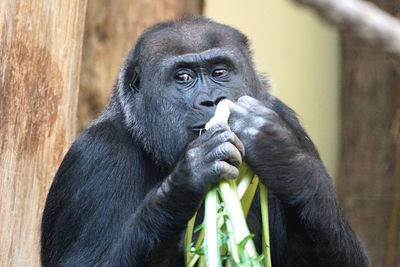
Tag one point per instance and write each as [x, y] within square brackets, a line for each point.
[183, 77]
[219, 73]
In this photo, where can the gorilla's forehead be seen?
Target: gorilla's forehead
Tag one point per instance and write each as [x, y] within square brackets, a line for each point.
[188, 37]
[223, 54]
[188, 43]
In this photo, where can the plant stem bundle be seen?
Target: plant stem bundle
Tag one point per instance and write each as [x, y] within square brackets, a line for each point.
[224, 239]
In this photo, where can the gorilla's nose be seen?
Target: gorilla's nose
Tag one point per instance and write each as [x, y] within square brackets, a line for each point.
[206, 101]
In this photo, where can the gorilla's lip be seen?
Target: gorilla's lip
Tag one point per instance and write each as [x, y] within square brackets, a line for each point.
[198, 128]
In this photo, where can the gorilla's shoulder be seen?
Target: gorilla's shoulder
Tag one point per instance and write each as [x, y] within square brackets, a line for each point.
[103, 151]
[106, 138]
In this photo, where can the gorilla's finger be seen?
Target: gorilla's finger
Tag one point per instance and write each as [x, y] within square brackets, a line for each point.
[237, 109]
[225, 170]
[234, 139]
[210, 133]
[226, 152]
[222, 137]
[216, 129]
[253, 104]
[248, 101]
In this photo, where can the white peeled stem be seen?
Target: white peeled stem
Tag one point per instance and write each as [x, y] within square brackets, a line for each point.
[236, 215]
[229, 194]
[211, 201]
[221, 114]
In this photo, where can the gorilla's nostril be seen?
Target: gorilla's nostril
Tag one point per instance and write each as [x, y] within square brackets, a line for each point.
[208, 99]
[207, 103]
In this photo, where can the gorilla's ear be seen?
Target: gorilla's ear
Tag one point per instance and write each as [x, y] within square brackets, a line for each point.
[129, 78]
[134, 83]
[128, 85]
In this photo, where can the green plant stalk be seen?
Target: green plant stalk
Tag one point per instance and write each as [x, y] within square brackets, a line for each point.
[233, 248]
[188, 239]
[244, 180]
[246, 199]
[248, 183]
[248, 196]
[211, 250]
[202, 262]
[192, 261]
[265, 225]
[234, 209]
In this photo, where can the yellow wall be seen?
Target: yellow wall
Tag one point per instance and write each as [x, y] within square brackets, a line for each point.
[300, 54]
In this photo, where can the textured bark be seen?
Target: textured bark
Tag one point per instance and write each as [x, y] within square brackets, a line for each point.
[110, 30]
[40, 51]
[369, 180]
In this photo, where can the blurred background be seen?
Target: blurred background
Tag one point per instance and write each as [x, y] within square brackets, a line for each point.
[59, 61]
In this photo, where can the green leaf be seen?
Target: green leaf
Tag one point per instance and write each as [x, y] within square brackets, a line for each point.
[242, 243]
[198, 228]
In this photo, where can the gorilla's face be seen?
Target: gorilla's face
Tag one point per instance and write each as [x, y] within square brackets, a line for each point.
[180, 81]
[196, 82]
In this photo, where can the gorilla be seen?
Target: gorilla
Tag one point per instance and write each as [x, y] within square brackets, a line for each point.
[131, 181]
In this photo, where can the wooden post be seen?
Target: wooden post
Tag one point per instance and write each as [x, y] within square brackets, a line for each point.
[369, 180]
[40, 52]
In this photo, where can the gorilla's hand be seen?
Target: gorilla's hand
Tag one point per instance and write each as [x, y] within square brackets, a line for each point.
[268, 139]
[261, 130]
[215, 154]
[277, 149]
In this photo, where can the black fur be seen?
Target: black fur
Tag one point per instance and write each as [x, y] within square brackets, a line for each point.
[128, 185]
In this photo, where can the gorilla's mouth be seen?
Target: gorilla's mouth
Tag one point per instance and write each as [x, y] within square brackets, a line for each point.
[199, 128]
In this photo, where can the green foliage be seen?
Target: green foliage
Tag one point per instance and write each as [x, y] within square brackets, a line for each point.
[233, 249]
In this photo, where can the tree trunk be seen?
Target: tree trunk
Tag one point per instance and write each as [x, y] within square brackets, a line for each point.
[110, 30]
[40, 51]
[369, 180]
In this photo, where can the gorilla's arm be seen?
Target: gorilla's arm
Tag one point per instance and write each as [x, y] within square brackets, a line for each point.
[302, 195]
[110, 206]
[96, 204]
